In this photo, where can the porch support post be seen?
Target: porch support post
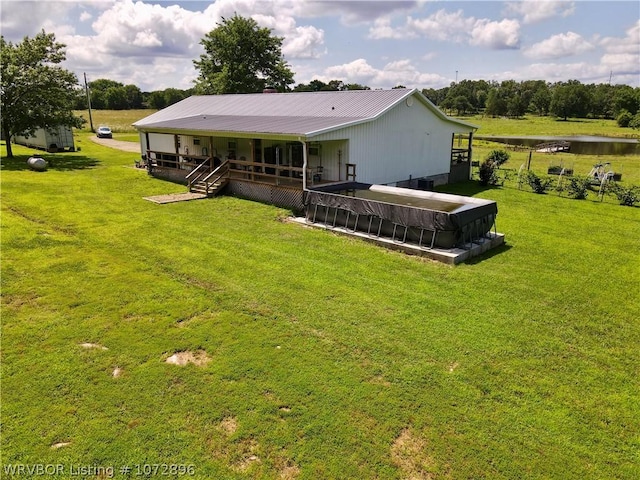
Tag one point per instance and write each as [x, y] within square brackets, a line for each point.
[470, 154]
[305, 159]
[453, 139]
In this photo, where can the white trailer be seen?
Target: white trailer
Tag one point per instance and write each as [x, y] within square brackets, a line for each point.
[57, 139]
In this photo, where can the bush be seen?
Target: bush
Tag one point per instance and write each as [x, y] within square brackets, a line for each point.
[498, 157]
[488, 173]
[635, 121]
[624, 119]
[628, 196]
[578, 187]
[538, 184]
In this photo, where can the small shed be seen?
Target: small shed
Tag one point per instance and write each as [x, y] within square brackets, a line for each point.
[275, 146]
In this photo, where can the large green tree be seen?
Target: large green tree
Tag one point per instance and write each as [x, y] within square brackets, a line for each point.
[241, 57]
[35, 91]
[570, 99]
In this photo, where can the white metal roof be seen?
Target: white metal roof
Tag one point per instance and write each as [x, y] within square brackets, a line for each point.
[301, 113]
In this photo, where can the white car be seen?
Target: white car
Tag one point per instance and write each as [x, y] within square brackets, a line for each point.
[104, 132]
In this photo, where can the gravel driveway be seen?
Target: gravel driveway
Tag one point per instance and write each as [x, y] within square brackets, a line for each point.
[133, 147]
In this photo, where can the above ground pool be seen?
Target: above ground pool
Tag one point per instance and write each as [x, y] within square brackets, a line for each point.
[428, 219]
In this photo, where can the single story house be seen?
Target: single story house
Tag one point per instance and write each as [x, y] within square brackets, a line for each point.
[272, 147]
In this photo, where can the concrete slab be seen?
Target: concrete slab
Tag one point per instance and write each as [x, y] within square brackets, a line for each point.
[176, 197]
[451, 257]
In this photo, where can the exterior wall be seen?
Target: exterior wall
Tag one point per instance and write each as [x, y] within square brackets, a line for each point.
[333, 155]
[406, 142]
[162, 142]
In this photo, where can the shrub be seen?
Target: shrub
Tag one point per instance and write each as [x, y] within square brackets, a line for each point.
[624, 119]
[558, 169]
[488, 173]
[498, 157]
[635, 121]
[578, 187]
[538, 184]
[626, 195]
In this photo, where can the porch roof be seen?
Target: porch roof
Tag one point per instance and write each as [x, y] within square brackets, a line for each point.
[254, 125]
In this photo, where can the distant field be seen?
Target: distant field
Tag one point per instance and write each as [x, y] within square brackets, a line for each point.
[535, 125]
[119, 120]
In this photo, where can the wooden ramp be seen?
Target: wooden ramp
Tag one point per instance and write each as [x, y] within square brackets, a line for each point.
[176, 197]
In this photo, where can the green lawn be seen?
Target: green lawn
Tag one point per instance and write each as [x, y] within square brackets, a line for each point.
[552, 126]
[329, 357]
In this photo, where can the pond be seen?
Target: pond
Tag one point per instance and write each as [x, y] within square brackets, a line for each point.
[581, 144]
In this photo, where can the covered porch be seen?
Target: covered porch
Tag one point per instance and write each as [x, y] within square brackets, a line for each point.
[273, 161]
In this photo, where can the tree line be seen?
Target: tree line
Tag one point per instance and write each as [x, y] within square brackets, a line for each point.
[516, 99]
[469, 97]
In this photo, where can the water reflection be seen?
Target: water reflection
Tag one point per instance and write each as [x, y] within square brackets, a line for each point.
[580, 144]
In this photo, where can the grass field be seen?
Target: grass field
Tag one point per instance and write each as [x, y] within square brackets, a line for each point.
[327, 357]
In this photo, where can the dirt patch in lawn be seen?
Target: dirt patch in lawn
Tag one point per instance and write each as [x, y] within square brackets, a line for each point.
[93, 345]
[409, 454]
[55, 446]
[229, 425]
[198, 358]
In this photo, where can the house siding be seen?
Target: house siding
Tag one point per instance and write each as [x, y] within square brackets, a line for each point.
[406, 142]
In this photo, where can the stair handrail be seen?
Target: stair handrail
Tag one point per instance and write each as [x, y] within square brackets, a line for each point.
[223, 168]
[192, 172]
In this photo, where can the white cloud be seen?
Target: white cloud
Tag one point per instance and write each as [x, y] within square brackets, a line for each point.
[442, 26]
[304, 42]
[533, 11]
[353, 11]
[558, 46]
[628, 44]
[496, 35]
[453, 27]
[382, 29]
[85, 16]
[299, 41]
[400, 72]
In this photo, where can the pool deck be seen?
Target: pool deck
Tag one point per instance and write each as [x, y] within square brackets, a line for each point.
[451, 256]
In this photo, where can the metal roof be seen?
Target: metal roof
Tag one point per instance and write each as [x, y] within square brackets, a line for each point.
[300, 113]
[251, 124]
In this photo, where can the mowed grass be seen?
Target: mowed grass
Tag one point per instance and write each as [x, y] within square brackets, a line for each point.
[329, 357]
[549, 126]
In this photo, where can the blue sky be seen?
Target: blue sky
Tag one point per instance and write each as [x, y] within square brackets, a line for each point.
[421, 44]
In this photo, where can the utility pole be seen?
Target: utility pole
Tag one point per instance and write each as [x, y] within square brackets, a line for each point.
[86, 88]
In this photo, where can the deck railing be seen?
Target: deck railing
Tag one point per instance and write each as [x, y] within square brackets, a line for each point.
[459, 155]
[266, 172]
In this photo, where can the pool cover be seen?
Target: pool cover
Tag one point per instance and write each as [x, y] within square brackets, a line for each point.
[405, 215]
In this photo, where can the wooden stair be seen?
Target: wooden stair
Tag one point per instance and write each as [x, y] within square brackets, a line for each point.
[206, 182]
[208, 188]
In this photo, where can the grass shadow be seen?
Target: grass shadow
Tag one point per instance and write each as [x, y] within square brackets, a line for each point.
[489, 254]
[59, 162]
